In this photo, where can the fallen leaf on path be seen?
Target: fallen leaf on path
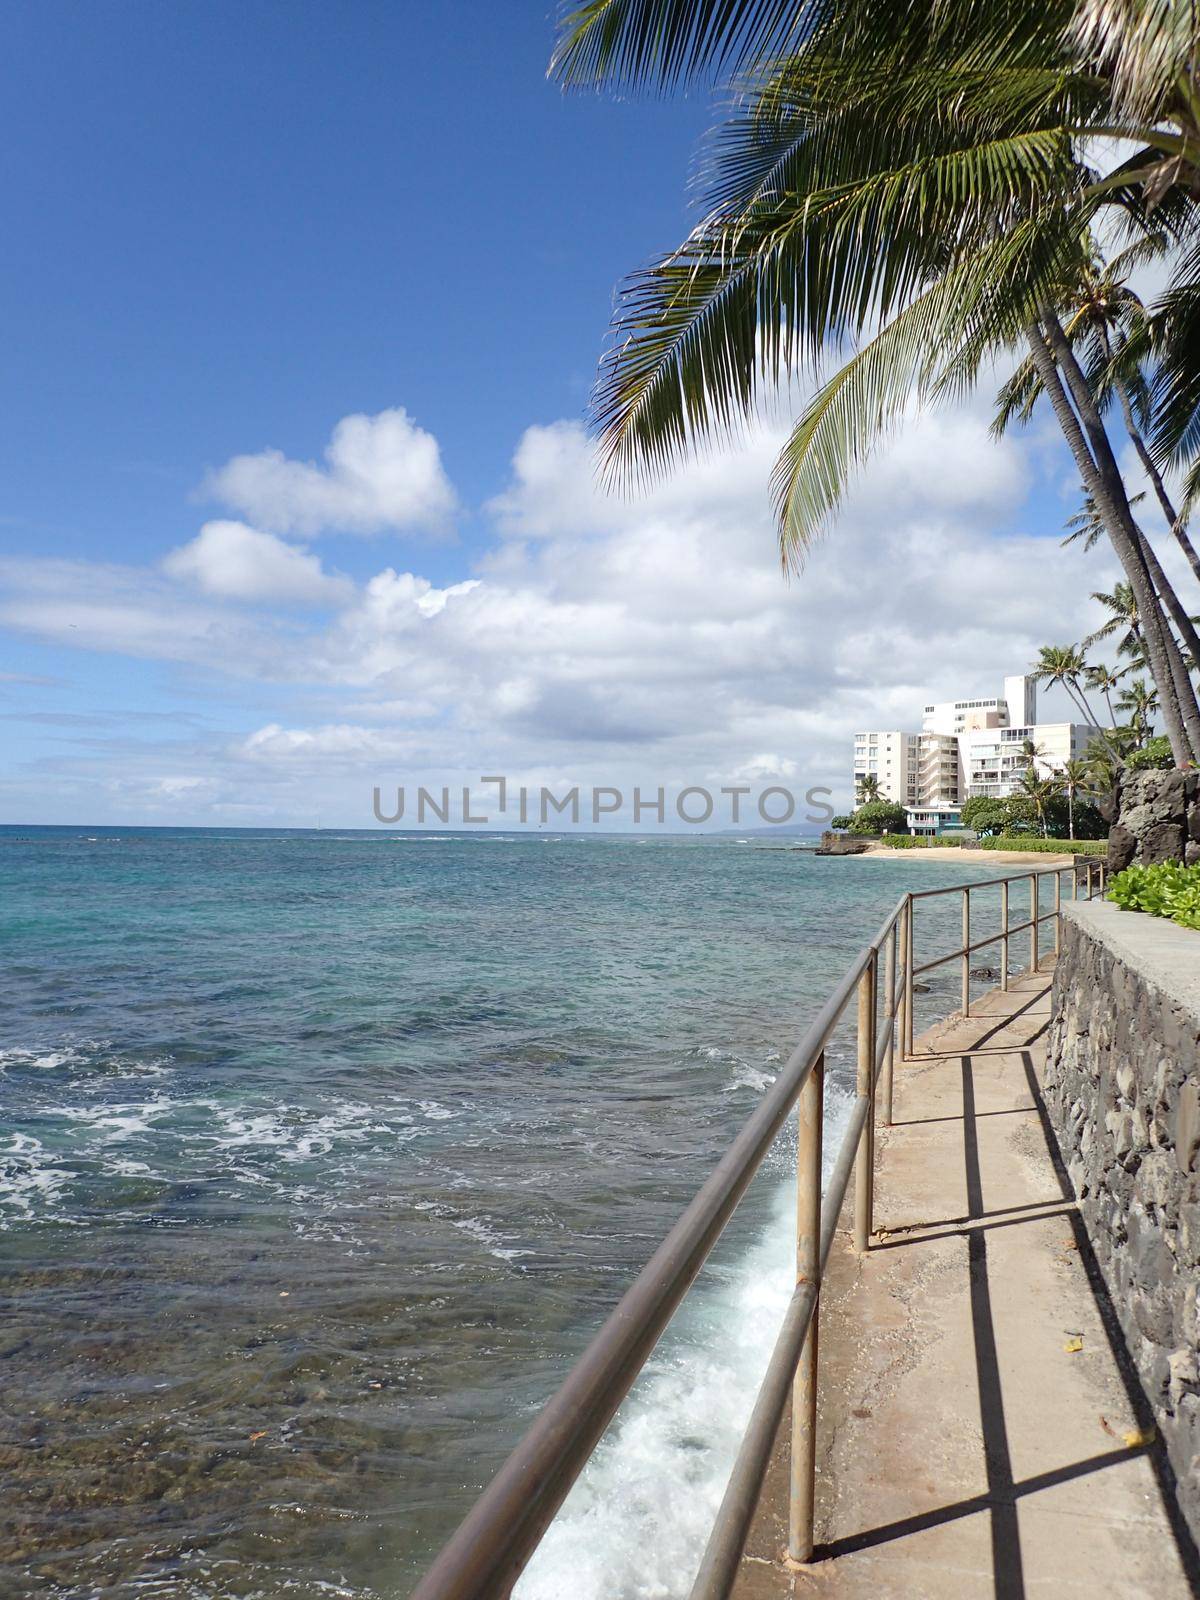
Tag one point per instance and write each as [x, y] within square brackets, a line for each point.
[1072, 1345]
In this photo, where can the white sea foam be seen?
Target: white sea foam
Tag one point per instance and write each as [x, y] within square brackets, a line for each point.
[744, 1076]
[30, 1179]
[634, 1526]
[494, 1242]
[43, 1060]
[116, 1123]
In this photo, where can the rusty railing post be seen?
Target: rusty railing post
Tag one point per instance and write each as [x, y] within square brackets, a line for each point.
[966, 956]
[1057, 912]
[910, 957]
[802, 1487]
[889, 1001]
[864, 1169]
[1004, 934]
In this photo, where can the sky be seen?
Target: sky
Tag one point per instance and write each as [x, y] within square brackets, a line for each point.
[302, 306]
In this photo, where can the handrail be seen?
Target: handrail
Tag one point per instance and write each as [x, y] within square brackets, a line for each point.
[486, 1555]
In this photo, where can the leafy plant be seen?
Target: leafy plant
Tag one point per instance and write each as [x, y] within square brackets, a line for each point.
[1156, 754]
[1166, 889]
[880, 816]
[984, 814]
[1034, 842]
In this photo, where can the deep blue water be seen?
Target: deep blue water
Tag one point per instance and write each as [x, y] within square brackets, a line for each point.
[321, 1155]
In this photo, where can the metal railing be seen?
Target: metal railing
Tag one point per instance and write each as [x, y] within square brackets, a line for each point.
[492, 1545]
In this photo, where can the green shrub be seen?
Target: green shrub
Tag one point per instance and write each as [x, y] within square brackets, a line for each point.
[1033, 842]
[985, 814]
[1164, 890]
[1156, 753]
[840, 822]
[879, 816]
[1017, 814]
[922, 841]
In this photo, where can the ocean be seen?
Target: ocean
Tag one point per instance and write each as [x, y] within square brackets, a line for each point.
[323, 1154]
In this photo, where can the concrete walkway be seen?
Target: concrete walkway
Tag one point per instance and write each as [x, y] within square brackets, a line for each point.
[980, 1427]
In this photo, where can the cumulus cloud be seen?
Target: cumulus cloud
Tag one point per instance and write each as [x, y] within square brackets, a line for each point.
[381, 473]
[600, 639]
[236, 562]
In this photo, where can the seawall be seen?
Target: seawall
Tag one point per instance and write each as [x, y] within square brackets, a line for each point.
[1123, 1088]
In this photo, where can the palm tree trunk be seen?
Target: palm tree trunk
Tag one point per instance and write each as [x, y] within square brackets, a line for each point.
[1174, 520]
[1171, 600]
[1081, 700]
[1070, 812]
[1106, 466]
[1102, 489]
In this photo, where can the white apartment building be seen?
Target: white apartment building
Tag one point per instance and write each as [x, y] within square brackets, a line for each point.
[891, 757]
[965, 748]
[994, 760]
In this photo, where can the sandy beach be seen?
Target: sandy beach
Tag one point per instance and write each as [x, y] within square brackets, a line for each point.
[1023, 858]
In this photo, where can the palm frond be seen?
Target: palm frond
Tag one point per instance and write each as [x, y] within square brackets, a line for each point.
[761, 295]
[661, 43]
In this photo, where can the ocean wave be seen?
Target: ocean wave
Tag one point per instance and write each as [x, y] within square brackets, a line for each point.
[494, 1241]
[31, 1180]
[634, 1525]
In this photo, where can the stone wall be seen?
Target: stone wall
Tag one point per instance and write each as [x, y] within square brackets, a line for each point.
[1123, 1088]
[844, 844]
[1157, 819]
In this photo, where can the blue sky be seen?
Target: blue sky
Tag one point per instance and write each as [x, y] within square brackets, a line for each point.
[230, 227]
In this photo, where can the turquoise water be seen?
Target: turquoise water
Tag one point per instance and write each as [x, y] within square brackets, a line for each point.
[322, 1155]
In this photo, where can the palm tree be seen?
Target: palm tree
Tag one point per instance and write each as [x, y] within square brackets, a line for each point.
[1105, 757]
[868, 788]
[1041, 791]
[1105, 680]
[908, 184]
[1107, 324]
[1031, 754]
[1124, 619]
[1085, 523]
[1140, 701]
[1065, 664]
[1075, 778]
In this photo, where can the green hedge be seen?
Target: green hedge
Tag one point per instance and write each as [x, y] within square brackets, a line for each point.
[919, 841]
[1164, 890]
[1033, 843]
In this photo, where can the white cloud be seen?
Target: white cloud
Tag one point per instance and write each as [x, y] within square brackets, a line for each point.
[235, 562]
[382, 473]
[601, 639]
[337, 740]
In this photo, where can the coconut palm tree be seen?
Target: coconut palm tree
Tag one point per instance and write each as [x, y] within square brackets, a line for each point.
[1040, 791]
[1065, 664]
[1085, 523]
[1075, 777]
[908, 187]
[868, 788]
[1105, 757]
[1123, 622]
[1103, 313]
[1031, 754]
[1104, 679]
[1140, 701]
[1107, 326]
